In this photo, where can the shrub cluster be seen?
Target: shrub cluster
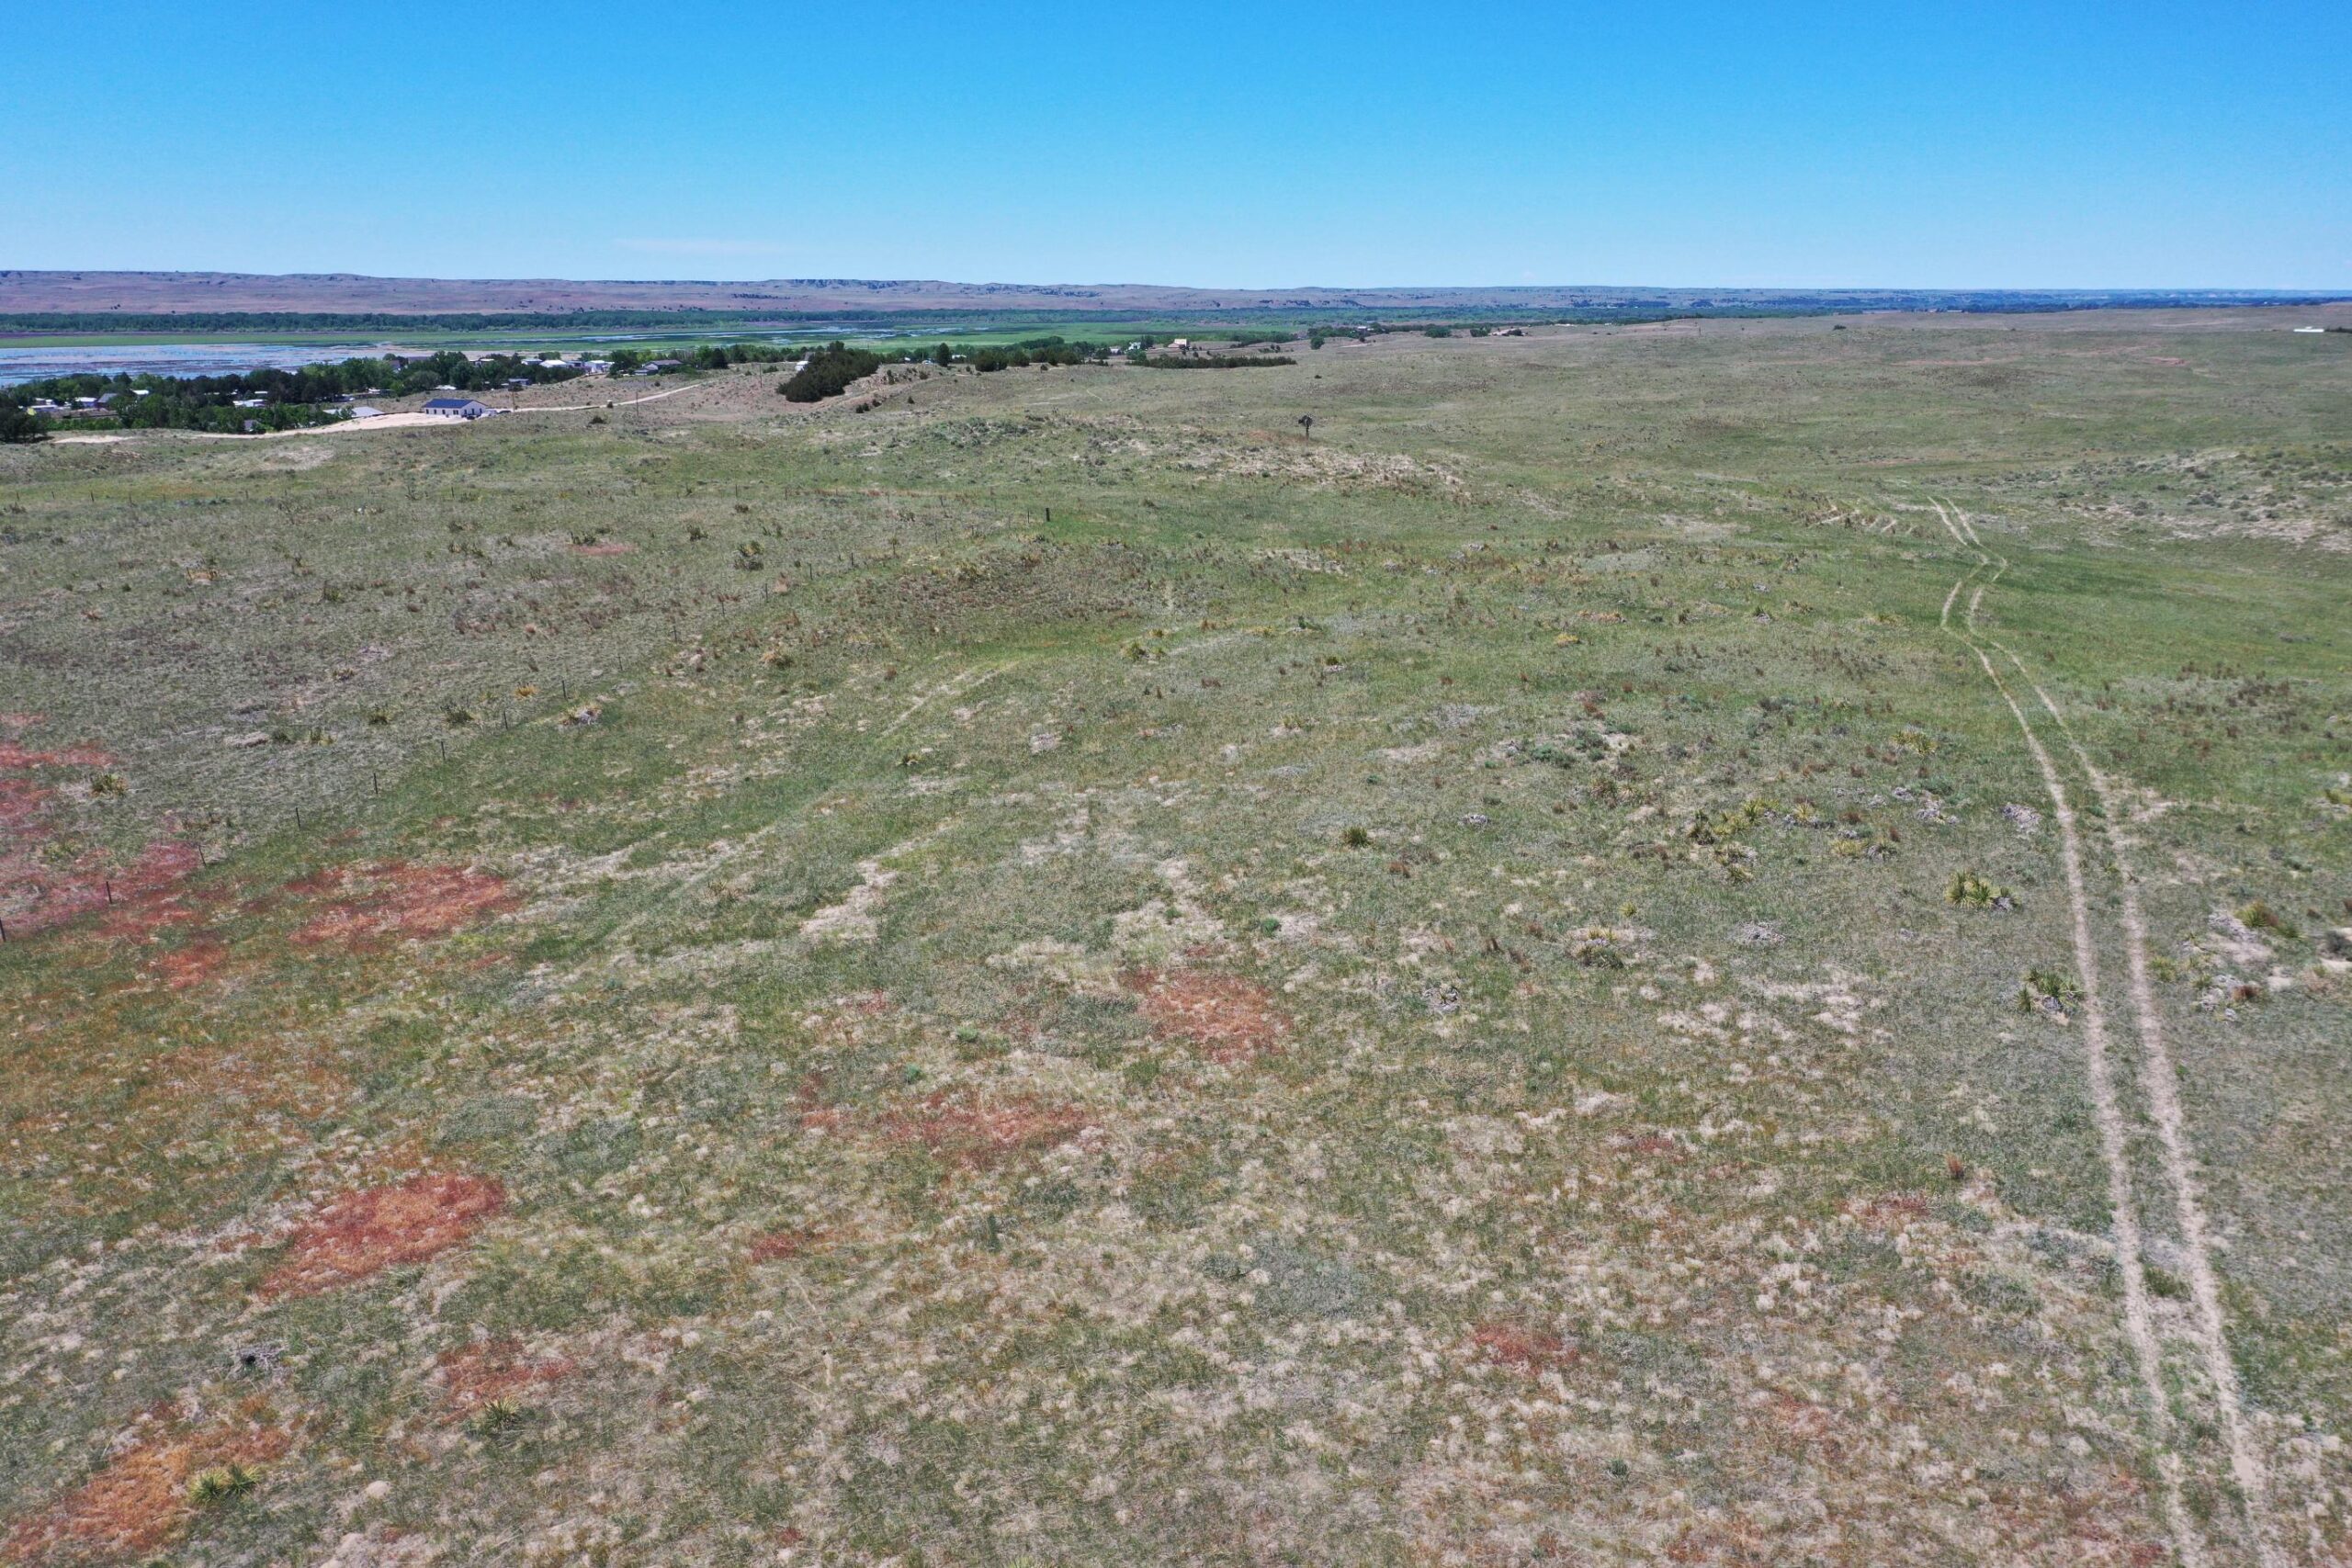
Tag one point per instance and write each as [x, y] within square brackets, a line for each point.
[829, 372]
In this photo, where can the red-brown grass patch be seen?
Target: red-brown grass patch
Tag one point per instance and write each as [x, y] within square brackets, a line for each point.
[1227, 1017]
[1889, 1211]
[363, 1233]
[974, 1136]
[139, 1502]
[23, 803]
[610, 548]
[393, 900]
[58, 896]
[191, 963]
[778, 1246]
[494, 1368]
[1528, 1349]
[14, 756]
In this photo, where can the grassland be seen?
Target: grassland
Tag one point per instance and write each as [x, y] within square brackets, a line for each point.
[1054, 972]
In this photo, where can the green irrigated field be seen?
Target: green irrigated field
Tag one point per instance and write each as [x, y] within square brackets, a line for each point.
[1704, 945]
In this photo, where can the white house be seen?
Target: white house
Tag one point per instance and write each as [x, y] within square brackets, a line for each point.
[456, 408]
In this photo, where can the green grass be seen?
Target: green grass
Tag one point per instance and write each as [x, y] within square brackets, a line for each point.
[1385, 998]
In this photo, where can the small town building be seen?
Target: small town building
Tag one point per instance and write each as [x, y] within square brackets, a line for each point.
[364, 412]
[456, 408]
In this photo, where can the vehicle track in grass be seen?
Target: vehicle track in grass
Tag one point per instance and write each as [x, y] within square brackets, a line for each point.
[2158, 1074]
[2139, 1316]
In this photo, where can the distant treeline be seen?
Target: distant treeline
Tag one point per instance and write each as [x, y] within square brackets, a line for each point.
[303, 395]
[1211, 361]
[1028, 350]
[374, 320]
[310, 394]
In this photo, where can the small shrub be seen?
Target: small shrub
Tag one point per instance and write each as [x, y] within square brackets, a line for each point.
[1967, 890]
[109, 784]
[2049, 990]
[2259, 916]
[223, 1483]
[1355, 837]
[500, 1418]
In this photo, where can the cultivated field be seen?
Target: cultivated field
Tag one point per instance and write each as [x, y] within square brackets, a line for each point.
[1707, 944]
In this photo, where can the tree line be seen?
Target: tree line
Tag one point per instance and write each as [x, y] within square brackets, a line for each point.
[297, 396]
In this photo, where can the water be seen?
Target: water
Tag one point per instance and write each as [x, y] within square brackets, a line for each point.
[169, 359]
[18, 364]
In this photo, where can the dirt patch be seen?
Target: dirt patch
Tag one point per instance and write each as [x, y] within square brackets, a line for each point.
[615, 548]
[139, 1501]
[974, 1137]
[363, 1233]
[1229, 1019]
[494, 1368]
[390, 902]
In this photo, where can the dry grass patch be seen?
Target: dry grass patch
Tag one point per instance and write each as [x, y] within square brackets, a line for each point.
[395, 900]
[1229, 1019]
[363, 1233]
[192, 964]
[975, 1136]
[494, 1370]
[1528, 1349]
[140, 1501]
[42, 898]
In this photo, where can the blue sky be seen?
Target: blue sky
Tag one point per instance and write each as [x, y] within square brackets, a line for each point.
[1931, 145]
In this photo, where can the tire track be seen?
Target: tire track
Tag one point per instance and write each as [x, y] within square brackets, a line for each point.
[2160, 1082]
[2138, 1317]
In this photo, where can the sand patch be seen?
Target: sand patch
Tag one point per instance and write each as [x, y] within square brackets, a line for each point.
[852, 919]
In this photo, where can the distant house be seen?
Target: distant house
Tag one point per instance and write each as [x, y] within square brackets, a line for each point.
[456, 408]
[364, 412]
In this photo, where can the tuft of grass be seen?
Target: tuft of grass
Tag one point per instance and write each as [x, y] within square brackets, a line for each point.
[2259, 916]
[222, 1484]
[1968, 890]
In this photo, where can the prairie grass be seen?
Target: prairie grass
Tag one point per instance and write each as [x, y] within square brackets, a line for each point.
[1135, 988]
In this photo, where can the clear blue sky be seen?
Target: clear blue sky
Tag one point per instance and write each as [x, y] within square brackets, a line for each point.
[1988, 144]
